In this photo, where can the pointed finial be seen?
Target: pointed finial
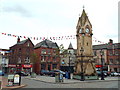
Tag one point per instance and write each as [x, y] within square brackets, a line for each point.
[83, 6]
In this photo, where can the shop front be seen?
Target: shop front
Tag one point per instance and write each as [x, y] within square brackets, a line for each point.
[12, 68]
[27, 68]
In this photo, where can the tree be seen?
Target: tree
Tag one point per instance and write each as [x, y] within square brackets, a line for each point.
[63, 51]
[34, 60]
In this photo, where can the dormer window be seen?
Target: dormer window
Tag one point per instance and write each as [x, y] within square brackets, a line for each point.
[87, 30]
[80, 31]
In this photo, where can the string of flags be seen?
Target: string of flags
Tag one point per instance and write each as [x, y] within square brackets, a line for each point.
[50, 38]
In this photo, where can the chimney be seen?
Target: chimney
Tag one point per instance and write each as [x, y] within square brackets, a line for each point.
[110, 41]
[18, 40]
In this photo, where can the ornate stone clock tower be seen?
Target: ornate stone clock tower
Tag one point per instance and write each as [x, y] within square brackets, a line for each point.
[84, 62]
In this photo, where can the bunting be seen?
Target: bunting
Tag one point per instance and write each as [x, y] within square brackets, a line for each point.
[51, 38]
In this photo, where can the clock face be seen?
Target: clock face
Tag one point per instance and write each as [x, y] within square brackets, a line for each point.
[80, 31]
[87, 30]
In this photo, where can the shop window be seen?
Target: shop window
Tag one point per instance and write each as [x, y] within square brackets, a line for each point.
[95, 53]
[54, 66]
[43, 66]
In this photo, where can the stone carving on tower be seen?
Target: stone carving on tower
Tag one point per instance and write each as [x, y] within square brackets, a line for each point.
[84, 60]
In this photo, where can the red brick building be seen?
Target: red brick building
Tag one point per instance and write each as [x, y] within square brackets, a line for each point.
[48, 56]
[110, 56]
[20, 56]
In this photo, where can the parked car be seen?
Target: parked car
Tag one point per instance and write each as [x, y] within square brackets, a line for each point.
[21, 73]
[99, 73]
[2, 73]
[53, 72]
[114, 74]
[44, 72]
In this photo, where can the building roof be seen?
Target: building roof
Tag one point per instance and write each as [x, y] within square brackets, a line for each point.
[70, 46]
[107, 46]
[22, 42]
[84, 15]
[46, 43]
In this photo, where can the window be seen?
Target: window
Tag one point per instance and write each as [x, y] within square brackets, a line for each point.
[116, 52]
[49, 58]
[28, 44]
[27, 60]
[54, 66]
[43, 58]
[49, 51]
[110, 52]
[87, 43]
[94, 53]
[43, 66]
[54, 58]
[54, 51]
[43, 51]
[19, 60]
[111, 60]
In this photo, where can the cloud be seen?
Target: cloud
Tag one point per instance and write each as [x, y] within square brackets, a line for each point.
[16, 9]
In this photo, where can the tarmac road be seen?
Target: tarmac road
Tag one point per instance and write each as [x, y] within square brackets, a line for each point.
[31, 83]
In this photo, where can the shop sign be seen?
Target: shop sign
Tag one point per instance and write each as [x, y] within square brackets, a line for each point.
[97, 66]
[11, 65]
[16, 79]
[11, 76]
[26, 66]
[10, 80]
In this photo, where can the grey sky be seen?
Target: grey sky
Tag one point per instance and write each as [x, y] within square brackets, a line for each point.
[54, 18]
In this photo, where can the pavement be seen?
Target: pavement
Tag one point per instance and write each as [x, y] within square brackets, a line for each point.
[48, 79]
[4, 83]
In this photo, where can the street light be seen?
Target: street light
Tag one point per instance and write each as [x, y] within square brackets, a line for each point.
[102, 74]
[69, 59]
[69, 66]
[82, 73]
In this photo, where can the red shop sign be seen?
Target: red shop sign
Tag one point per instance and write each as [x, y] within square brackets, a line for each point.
[11, 65]
[98, 66]
[26, 66]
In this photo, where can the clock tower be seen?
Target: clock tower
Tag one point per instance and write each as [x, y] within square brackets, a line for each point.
[84, 62]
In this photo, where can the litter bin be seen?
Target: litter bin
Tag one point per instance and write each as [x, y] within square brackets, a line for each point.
[33, 75]
[57, 76]
[61, 77]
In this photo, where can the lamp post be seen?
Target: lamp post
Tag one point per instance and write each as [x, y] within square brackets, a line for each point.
[102, 74]
[82, 73]
[69, 59]
[69, 66]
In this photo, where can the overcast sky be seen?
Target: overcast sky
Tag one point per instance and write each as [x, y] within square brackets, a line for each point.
[56, 18]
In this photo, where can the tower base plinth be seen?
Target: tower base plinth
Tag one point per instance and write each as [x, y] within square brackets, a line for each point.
[78, 77]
